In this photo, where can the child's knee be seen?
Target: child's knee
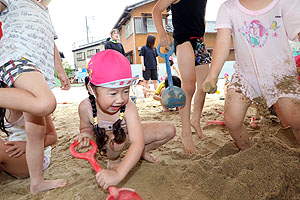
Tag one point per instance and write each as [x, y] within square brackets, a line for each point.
[45, 106]
[170, 131]
[190, 89]
[231, 122]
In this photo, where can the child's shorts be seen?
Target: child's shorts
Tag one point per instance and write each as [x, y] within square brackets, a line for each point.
[47, 157]
[10, 71]
[202, 56]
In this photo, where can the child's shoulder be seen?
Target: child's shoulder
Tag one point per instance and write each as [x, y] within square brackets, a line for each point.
[83, 104]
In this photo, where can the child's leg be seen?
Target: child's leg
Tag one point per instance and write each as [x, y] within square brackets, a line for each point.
[35, 132]
[31, 94]
[186, 64]
[289, 109]
[199, 98]
[279, 115]
[155, 135]
[14, 166]
[236, 105]
[155, 84]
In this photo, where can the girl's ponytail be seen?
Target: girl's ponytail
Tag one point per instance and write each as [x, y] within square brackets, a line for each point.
[101, 137]
[118, 131]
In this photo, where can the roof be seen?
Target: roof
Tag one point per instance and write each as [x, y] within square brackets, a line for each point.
[126, 13]
[210, 27]
[84, 46]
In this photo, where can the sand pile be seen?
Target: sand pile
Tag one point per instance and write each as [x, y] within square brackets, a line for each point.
[270, 169]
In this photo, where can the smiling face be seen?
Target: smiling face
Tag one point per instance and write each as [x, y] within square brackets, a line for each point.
[110, 100]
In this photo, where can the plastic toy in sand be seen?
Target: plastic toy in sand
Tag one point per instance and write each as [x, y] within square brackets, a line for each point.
[115, 193]
[216, 122]
[253, 124]
[172, 96]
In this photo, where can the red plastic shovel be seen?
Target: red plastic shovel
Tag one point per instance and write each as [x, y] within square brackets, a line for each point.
[216, 122]
[115, 193]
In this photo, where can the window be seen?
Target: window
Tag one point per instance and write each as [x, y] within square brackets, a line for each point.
[128, 29]
[98, 50]
[151, 27]
[140, 26]
[80, 56]
[90, 53]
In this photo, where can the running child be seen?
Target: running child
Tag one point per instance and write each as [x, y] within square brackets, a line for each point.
[28, 56]
[265, 68]
[192, 56]
[108, 117]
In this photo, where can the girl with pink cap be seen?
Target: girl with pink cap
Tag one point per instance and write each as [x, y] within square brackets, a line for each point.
[108, 117]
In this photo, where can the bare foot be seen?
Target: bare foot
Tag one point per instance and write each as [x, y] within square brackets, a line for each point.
[47, 185]
[149, 157]
[113, 164]
[188, 143]
[198, 130]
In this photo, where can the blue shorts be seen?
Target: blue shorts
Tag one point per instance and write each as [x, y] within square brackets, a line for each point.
[202, 56]
[10, 71]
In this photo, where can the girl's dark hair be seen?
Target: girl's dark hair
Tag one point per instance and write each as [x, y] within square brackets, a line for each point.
[171, 62]
[101, 137]
[2, 113]
[150, 41]
[176, 81]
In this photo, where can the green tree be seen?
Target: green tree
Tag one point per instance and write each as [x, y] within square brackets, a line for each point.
[67, 68]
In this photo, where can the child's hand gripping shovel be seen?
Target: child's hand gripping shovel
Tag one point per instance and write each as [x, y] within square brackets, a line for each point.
[172, 96]
[115, 193]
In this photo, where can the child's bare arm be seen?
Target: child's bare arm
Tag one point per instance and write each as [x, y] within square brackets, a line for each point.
[220, 54]
[50, 137]
[85, 127]
[177, 71]
[65, 82]
[142, 62]
[156, 97]
[136, 138]
[159, 7]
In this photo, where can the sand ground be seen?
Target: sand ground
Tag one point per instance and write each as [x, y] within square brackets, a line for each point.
[269, 170]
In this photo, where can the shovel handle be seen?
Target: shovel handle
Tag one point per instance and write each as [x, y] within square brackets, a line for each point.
[166, 57]
[89, 155]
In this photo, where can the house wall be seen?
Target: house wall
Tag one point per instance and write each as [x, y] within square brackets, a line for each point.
[136, 41]
[210, 41]
[83, 63]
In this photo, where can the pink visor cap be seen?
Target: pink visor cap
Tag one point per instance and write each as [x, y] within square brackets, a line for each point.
[110, 69]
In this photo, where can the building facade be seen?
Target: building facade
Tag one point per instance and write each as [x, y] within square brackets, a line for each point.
[83, 53]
